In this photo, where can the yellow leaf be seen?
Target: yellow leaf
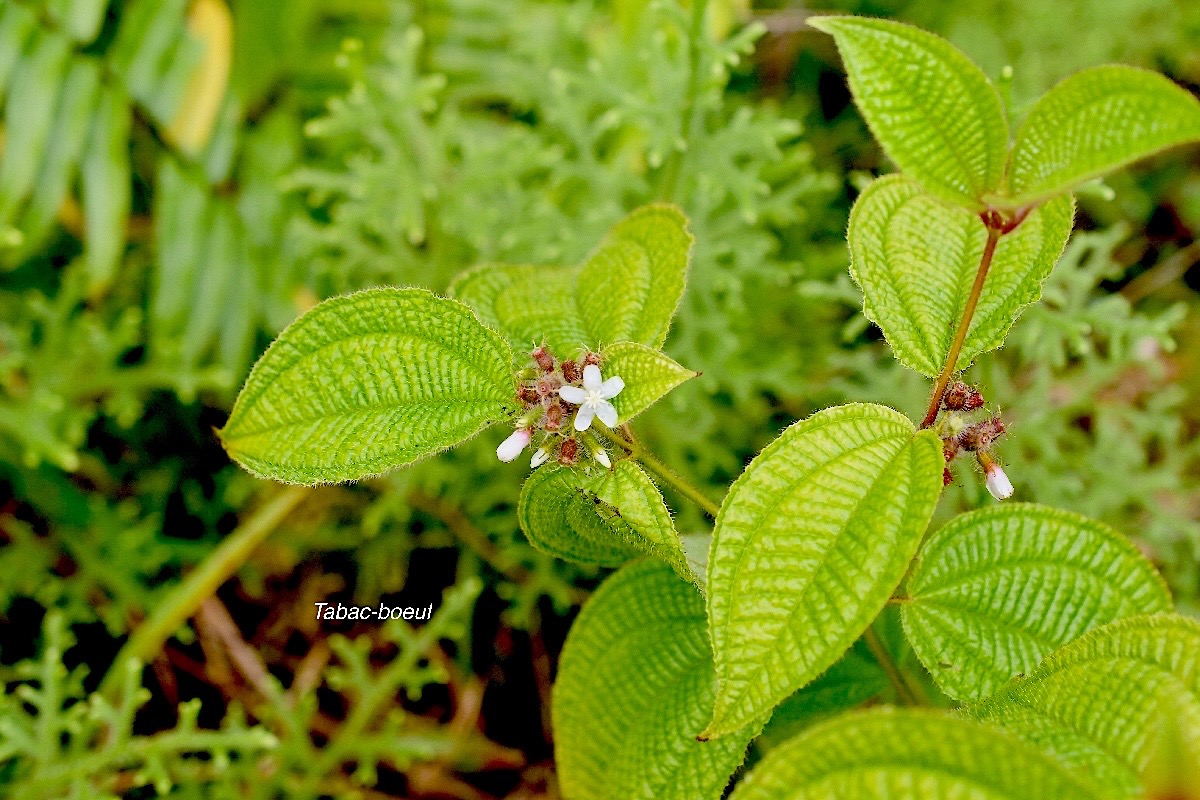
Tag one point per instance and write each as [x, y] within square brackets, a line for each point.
[193, 124]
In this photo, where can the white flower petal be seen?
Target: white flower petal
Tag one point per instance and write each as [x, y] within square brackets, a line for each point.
[511, 447]
[573, 394]
[602, 457]
[606, 413]
[612, 387]
[583, 418]
[591, 378]
[998, 483]
[540, 456]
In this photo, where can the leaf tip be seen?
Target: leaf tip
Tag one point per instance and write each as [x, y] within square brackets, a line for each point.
[824, 23]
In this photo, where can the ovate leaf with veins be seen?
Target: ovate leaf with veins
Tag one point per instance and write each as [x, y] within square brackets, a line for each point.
[916, 258]
[811, 541]
[995, 591]
[605, 518]
[629, 288]
[1093, 123]
[368, 382]
[634, 687]
[626, 290]
[908, 755]
[1098, 703]
[936, 114]
[648, 376]
[527, 304]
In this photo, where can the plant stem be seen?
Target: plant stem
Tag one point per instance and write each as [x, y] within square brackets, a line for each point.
[186, 598]
[670, 172]
[469, 534]
[964, 324]
[663, 471]
[875, 645]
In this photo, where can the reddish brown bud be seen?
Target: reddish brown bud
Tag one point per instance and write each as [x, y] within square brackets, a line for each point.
[591, 358]
[981, 435]
[552, 419]
[548, 386]
[568, 452]
[571, 371]
[527, 395]
[961, 397]
[544, 358]
[947, 477]
[949, 449]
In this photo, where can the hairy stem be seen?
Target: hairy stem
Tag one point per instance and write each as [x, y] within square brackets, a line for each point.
[186, 599]
[964, 324]
[647, 460]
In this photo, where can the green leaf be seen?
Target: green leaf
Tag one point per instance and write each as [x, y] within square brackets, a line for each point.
[995, 591]
[29, 116]
[853, 679]
[1097, 703]
[635, 685]
[1093, 123]
[887, 754]
[916, 258]
[934, 112]
[368, 382]
[72, 118]
[604, 518]
[811, 541]
[648, 374]
[106, 184]
[529, 305]
[627, 290]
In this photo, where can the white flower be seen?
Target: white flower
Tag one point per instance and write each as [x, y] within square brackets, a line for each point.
[998, 483]
[601, 455]
[593, 398]
[511, 447]
[540, 456]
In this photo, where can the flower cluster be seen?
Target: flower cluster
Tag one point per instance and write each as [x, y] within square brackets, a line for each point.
[560, 400]
[959, 435]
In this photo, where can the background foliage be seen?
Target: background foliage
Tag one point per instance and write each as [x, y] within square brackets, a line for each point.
[180, 180]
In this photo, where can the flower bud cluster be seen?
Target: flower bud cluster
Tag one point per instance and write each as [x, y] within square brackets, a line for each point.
[545, 419]
[962, 434]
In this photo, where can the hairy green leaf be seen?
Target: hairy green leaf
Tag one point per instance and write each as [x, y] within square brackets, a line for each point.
[634, 686]
[916, 258]
[368, 382]
[908, 755]
[648, 374]
[1097, 703]
[605, 518]
[995, 591]
[934, 112]
[627, 290]
[1093, 123]
[811, 541]
[529, 305]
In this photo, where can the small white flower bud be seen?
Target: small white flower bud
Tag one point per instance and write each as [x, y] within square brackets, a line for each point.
[540, 456]
[511, 447]
[601, 455]
[998, 483]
